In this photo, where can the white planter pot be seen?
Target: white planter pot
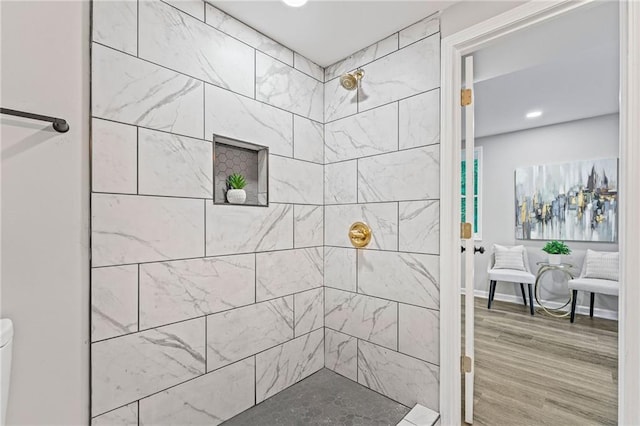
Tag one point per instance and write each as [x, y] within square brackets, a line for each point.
[236, 196]
[555, 259]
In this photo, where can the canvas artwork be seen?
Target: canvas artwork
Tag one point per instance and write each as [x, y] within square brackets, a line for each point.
[575, 201]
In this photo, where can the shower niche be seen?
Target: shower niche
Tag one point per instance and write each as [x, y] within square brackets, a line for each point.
[251, 161]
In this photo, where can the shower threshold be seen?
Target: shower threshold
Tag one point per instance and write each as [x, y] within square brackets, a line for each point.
[324, 398]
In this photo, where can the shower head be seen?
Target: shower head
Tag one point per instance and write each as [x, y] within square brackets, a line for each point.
[351, 81]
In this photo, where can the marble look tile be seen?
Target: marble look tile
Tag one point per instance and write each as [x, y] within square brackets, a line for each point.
[133, 91]
[340, 268]
[132, 229]
[178, 41]
[114, 301]
[229, 25]
[123, 416]
[239, 229]
[420, 415]
[115, 24]
[381, 217]
[174, 165]
[207, 400]
[402, 378]
[428, 26]
[361, 57]
[409, 71]
[282, 86]
[341, 182]
[419, 333]
[295, 181]
[134, 366]
[361, 316]
[308, 226]
[405, 277]
[309, 311]
[282, 366]
[114, 157]
[308, 140]
[184, 289]
[241, 332]
[235, 116]
[340, 354]
[419, 229]
[385, 177]
[420, 120]
[369, 133]
[338, 102]
[279, 273]
[194, 8]
[308, 67]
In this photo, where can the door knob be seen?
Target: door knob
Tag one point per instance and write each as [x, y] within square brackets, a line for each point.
[476, 249]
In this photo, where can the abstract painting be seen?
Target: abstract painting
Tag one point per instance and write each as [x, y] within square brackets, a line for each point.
[575, 201]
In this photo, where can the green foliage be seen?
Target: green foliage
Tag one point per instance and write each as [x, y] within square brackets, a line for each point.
[236, 181]
[556, 247]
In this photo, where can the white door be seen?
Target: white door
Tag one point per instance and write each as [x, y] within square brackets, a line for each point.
[467, 243]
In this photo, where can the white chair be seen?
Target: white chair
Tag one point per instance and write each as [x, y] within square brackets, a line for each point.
[513, 276]
[592, 285]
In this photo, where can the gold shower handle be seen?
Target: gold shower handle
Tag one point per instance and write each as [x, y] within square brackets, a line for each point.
[360, 234]
[356, 235]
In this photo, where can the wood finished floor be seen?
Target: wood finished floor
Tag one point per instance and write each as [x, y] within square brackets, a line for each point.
[541, 370]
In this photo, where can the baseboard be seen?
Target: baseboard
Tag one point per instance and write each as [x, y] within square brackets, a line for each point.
[582, 310]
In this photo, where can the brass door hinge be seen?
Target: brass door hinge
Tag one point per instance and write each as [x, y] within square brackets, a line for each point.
[465, 97]
[465, 364]
[466, 231]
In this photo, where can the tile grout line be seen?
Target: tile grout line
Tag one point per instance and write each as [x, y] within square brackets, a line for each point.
[200, 80]
[398, 326]
[216, 256]
[204, 374]
[429, 363]
[143, 330]
[364, 64]
[138, 298]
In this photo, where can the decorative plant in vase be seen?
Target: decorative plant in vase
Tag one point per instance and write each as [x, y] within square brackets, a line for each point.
[235, 192]
[555, 250]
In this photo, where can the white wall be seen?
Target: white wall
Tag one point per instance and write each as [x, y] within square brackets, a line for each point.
[576, 140]
[45, 210]
[467, 13]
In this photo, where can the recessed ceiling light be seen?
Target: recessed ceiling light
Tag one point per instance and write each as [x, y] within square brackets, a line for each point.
[294, 3]
[534, 114]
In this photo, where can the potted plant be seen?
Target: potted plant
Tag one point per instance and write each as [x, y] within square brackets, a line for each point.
[556, 249]
[235, 192]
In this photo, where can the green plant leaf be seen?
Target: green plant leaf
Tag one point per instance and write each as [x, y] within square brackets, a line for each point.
[556, 247]
[236, 181]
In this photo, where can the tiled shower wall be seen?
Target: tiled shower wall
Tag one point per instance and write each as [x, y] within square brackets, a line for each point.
[382, 166]
[199, 311]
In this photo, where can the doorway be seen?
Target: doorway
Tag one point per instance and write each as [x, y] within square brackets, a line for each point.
[469, 41]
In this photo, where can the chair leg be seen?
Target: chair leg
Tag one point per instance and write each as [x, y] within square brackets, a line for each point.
[573, 305]
[593, 298]
[524, 298]
[492, 287]
[531, 297]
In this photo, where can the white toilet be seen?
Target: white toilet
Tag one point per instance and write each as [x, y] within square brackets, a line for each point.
[6, 339]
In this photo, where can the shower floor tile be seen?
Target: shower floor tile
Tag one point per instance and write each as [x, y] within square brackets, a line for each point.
[324, 398]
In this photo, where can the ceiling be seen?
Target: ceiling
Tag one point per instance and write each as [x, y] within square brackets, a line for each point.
[327, 31]
[568, 68]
